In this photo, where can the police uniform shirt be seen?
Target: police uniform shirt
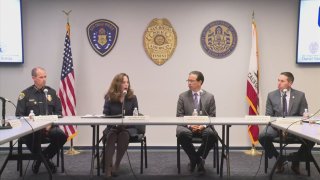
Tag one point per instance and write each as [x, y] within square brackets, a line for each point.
[35, 99]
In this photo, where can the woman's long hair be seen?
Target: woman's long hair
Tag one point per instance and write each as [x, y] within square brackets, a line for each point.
[114, 93]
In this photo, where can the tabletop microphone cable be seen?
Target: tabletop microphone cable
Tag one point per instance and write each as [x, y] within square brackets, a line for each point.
[301, 120]
[25, 171]
[205, 147]
[263, 152]
[134, 175]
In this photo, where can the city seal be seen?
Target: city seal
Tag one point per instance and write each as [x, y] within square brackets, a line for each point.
[219, 39]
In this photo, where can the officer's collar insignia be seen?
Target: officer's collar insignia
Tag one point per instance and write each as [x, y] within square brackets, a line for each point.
[102, 35]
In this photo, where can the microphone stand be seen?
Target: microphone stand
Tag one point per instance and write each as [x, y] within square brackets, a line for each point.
[224, 142]
[46, 101]
[123, 111]
[4, 125]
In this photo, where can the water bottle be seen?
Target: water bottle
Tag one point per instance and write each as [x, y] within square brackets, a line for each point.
[195, 112]
[305, 114]
[135, 112]
[31, 115]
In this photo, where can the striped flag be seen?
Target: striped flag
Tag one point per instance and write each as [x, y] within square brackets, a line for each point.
[253, 84]
[66, 88]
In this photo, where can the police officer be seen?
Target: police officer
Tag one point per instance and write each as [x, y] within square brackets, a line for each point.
[34, 98]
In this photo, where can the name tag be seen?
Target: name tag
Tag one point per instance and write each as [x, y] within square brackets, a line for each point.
[46, 118]
[136, 118]
[196, 118]
[15, 123]
[257, 118]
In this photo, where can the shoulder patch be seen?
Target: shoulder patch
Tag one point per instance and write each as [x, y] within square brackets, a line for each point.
[21, 96]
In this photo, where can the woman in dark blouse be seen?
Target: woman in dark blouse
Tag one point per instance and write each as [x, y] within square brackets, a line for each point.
[119, 95]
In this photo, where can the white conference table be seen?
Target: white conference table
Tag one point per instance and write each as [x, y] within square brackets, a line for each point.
[225, 122]
[8, 135]
[302, 130]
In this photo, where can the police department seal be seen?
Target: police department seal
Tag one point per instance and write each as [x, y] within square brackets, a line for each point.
[102, 35]
[219, 39]
[160, 40]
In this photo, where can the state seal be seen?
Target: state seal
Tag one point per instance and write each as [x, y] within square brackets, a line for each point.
[160, 40]
[102, 35]
[219, 39]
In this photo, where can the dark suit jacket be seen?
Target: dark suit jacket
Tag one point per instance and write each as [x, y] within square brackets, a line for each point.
[115, 108]
[297, 103]
[185, 105]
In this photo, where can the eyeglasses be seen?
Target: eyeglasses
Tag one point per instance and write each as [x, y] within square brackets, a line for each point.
[190, 81]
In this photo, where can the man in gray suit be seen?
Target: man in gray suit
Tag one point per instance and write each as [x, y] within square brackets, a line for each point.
[201, 101]
[282, 102]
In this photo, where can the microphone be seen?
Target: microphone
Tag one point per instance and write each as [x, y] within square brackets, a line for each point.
[3, 99]
[124, 92]
[285, 91]
[3, 125]
[3, 110]
[46, 95]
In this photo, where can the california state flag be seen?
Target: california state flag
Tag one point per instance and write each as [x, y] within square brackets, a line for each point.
[253, 84]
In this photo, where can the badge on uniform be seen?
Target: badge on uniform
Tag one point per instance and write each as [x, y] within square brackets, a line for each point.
[49, 98]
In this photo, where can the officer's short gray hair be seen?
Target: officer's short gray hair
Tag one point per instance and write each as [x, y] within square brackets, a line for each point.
[34, 71]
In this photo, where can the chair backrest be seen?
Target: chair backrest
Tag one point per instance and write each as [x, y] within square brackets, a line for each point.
[141, 129]
[196, 140]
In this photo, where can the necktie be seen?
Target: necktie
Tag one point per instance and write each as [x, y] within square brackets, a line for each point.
[284, 104]
[195, 101]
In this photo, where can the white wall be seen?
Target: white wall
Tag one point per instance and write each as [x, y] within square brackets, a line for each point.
[158, 87]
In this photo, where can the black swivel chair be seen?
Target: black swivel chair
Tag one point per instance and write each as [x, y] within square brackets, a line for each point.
[138, 138]
[198, 140]
[30, 156]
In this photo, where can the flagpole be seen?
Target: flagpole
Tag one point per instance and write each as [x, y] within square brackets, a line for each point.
[71, 150]
[253, 151]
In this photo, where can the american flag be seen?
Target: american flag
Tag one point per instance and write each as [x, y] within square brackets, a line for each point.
[253, 84]
[66, 88]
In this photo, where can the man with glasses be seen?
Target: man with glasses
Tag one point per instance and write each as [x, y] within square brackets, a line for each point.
[196, 99]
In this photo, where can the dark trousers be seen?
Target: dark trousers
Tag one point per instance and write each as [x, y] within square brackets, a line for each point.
[56, 137]
[208, 135]
[266, 140]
